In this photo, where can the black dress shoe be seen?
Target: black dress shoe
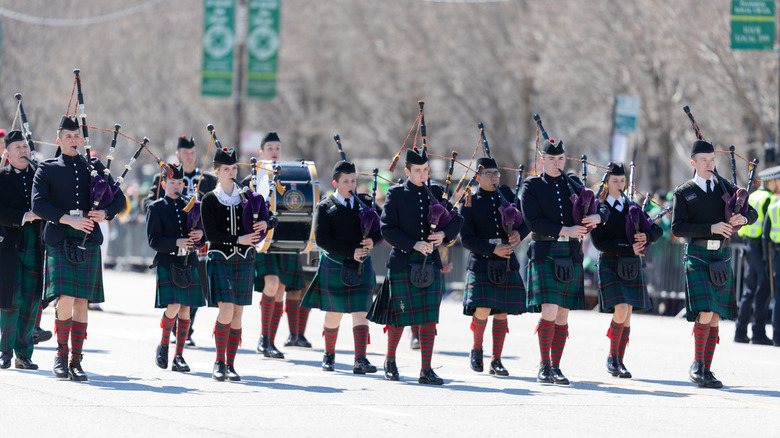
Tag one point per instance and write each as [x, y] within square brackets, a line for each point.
[219, 371]
[231, 374]
[558, 377]
[60, 369]
[475, 360]
[179, 364]
[391, 370]
[415, 343]
[545, 374]
[428, 377]
[612, 365]
[696, 373]
[761, 340]
[24, 363]
[76, 373]
[162, 356]
[290, 342]
[300, 341]
[497, 368]
[328, 360]
[262, 345]
[189, 342]
[623, 373]
[363, 366]
[40, 335]
[710, 381]
[742, 339]
[5, 359]
[273, 352]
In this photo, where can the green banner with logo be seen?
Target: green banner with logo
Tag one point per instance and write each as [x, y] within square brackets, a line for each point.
[262, 47]
[752, 24]
[218, 47]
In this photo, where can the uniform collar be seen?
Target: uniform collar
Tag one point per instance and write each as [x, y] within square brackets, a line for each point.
[701, 182]
[342, 200]
[226, 199]
[408, 184]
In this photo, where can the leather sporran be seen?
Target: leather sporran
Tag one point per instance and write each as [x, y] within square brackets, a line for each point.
[422, 275]
[628, 268]
[497, 271]
[719, 272]
[181, 275]
[74, 252]
[563, 269]
[351, 273]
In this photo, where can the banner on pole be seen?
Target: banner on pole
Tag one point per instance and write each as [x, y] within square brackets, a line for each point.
[262, 46]
[752, 24]
[218, 48]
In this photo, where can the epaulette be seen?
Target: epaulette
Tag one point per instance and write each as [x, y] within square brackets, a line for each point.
[330, 206]
[687, 184]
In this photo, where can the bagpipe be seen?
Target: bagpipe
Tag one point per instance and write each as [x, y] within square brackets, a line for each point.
[511, 218]
[369, 218]
[735, 197]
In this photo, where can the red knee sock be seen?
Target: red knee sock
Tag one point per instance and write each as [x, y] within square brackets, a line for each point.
[545, 330]
[330, 335]
[221, 332]
[362, 338]
[623, 343]
[500, 329]
[393, 338]
[181, 335]
[303, 319]
[478, 328]
[234, 341]
[293, 308]
[62, 329]
[712, 340]
[427, 337]
[700, 334]
[275, 318]
[78, 334]
[614, 334]
[266, 311]
[166, 324]
[38, 317]
[558, 344]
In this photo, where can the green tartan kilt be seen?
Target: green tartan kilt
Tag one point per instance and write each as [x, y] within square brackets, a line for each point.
[230, 280]
[543, 288]
[499, 298]
[328, 293]
[613, 290]
[168, 293]
[400, 304]
[285, 266]
[701, 295]
[60, 277]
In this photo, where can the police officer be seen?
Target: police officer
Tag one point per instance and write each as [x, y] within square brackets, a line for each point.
[771, 237]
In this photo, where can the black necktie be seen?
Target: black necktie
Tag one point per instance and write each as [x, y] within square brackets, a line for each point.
[709, 187]
[616, 204]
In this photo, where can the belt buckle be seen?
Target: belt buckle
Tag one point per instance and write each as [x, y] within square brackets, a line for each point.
[496, 241]
[563, 238]
[713, 245]
[77, 213]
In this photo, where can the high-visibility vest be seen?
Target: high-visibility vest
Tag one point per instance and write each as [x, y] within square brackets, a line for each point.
[756, 200]
[773, 215]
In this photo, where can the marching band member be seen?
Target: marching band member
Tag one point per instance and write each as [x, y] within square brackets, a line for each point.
[622, 286]
[555, 278]
[231, 256]
[700, 215]
[72, 272]
[493, 283]
[21, 256]
[178, 280]
[339, 232]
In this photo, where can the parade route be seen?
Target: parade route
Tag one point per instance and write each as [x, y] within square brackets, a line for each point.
[128, 395]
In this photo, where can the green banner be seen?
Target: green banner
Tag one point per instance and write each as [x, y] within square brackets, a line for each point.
[752, 24]
[262, 46]
[218, 47]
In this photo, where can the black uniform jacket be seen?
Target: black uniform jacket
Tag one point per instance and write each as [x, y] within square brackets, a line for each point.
[611, 238]
[62, 184]
[482, 226]
[223, 226]
[337, 228]
[405, 222]
[15, 201]
[190, 182]
[166, 222]
[695, 211]
[547, 208]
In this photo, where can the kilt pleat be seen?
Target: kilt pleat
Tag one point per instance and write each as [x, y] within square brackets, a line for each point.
[613, 290]
[509, 297]
[701, 295]
[230, 280]
[285, 266]
[543, 288]
[168, 293]
[328, 293]
[61, 277]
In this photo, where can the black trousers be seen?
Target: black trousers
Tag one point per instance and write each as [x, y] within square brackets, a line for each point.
[756, 293]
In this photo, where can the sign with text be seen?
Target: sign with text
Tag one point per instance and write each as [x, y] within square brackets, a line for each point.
[218, 48]
[752, 24]
[626, 113]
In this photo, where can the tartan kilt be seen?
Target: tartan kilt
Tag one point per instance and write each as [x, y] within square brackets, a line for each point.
[328, 293]
[499, 298]
[285, 266]
[60, 277]
[701, 295]
[613, 290]
[543, 288]
[400, 304]
[168, 293]
[230, 280]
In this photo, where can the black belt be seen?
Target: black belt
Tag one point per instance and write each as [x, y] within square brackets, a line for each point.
[543, 238]
[709, 243]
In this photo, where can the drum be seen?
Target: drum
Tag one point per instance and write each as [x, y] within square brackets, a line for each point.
[293, 206]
